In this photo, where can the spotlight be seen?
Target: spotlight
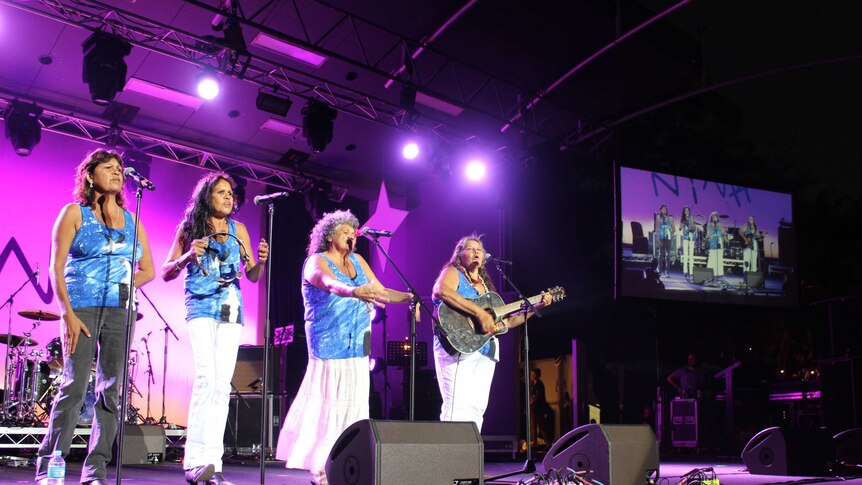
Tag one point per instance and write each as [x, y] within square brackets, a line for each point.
[475, 170]
[317, 124]
[272, 103]
[410, 151]
[22, 126]
[104, 67]
[375, 365]
[208, 85]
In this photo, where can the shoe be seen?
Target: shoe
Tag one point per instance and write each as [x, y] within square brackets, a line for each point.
[96, 481]
[219, 479]
[319, 479]
[199, 474]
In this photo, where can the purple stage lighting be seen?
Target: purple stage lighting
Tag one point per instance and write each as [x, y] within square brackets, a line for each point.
[410, 151]
[208, 86]
[475, 170]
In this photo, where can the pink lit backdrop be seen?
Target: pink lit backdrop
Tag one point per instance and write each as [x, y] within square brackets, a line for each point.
[37, 187]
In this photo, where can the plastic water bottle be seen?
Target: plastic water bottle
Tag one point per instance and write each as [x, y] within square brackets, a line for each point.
[56, 469]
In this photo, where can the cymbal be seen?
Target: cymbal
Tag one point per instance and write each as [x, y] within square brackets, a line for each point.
[39, 315]
[140, 316]
[16, 340]
[723, 216]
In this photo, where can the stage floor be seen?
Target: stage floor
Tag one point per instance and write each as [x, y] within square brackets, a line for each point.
[729, 473]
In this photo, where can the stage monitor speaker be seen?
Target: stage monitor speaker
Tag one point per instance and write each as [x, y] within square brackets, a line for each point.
[614, 453]
[142, 445]
[242, 433]
[754, 279]
[848, 446]
[374, 452]
[701, 275]
[790, 451]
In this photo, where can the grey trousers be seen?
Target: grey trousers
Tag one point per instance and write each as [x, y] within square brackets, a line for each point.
[108, 333]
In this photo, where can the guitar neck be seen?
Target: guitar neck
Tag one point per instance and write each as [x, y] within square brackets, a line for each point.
[504, 310]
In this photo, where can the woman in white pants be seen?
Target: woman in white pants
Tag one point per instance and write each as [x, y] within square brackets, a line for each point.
[214, 250]
[465, 379]
[688, 229]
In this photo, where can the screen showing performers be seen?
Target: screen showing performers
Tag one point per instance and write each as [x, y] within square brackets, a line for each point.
[693, 239]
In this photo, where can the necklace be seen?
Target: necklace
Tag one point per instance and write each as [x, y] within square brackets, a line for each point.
[104, 220]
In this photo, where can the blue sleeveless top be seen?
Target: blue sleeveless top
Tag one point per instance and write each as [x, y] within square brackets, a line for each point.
[99, 266]
[749, 233]
[664, 227]
[206, 296]
[337, 327]
[466, 290]
[713, 232]
[688, 230]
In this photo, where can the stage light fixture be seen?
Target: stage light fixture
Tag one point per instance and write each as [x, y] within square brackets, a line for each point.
[410, 151]
[475, 170]
[317, 124]
[22, 126]
[208, 85]
[272, 103]
[104, 68]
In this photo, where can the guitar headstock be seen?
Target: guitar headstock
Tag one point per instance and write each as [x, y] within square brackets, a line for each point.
[557, 293]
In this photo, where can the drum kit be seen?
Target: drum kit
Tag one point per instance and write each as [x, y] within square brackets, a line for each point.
[29, 378]
[34, 376]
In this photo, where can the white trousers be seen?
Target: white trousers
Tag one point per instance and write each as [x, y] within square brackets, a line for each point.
[465, 384]
[749, 259]
[687, 257]
[716, 261]
[214, 345]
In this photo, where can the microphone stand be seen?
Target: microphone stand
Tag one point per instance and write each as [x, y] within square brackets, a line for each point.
[526, 306]
[7, 376]
[132, 307]
[149, 419]
[164, 419]
[267, 341]
[412, 319]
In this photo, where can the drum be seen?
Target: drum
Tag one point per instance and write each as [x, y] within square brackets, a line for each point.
[32, 379]
[88, 409]
[55, 354]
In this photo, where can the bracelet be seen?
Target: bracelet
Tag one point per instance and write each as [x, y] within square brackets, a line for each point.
[177, 265]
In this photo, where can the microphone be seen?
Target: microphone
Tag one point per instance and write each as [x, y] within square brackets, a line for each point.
[139, 179]
[372, 233]
[38, 279]
[488, 257]
[270, 198]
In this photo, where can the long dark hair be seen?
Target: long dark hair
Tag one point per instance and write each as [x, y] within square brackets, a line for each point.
[455, 260]
[83, 193]
[684, 217]
[196, 220]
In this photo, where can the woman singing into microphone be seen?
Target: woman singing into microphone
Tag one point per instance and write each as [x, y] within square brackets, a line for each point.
[214, 249]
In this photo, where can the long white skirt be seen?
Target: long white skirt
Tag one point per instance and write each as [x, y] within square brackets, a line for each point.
[333, 395]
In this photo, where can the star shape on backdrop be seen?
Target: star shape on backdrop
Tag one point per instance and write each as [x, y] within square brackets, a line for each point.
[386, 218]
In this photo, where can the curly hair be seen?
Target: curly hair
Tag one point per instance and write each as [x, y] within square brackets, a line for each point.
[83, 192]
[325, 228]
[455, 260]
[196, 219]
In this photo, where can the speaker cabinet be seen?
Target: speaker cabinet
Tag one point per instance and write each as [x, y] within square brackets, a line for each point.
[789, 451]
[701, 275]
[142, 445]
[614, 453]
[374, 452]
[848, 446]
[242, 433]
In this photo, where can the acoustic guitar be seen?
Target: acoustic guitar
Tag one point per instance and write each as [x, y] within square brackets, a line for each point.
[463, 333]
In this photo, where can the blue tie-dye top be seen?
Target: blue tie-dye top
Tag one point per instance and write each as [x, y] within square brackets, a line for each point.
[206, 296]
[99, 266]
[466, 290]
[714, 235]
[337, 327]
[664, 227]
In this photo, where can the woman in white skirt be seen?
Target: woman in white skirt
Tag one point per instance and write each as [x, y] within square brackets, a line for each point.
[338, 290]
